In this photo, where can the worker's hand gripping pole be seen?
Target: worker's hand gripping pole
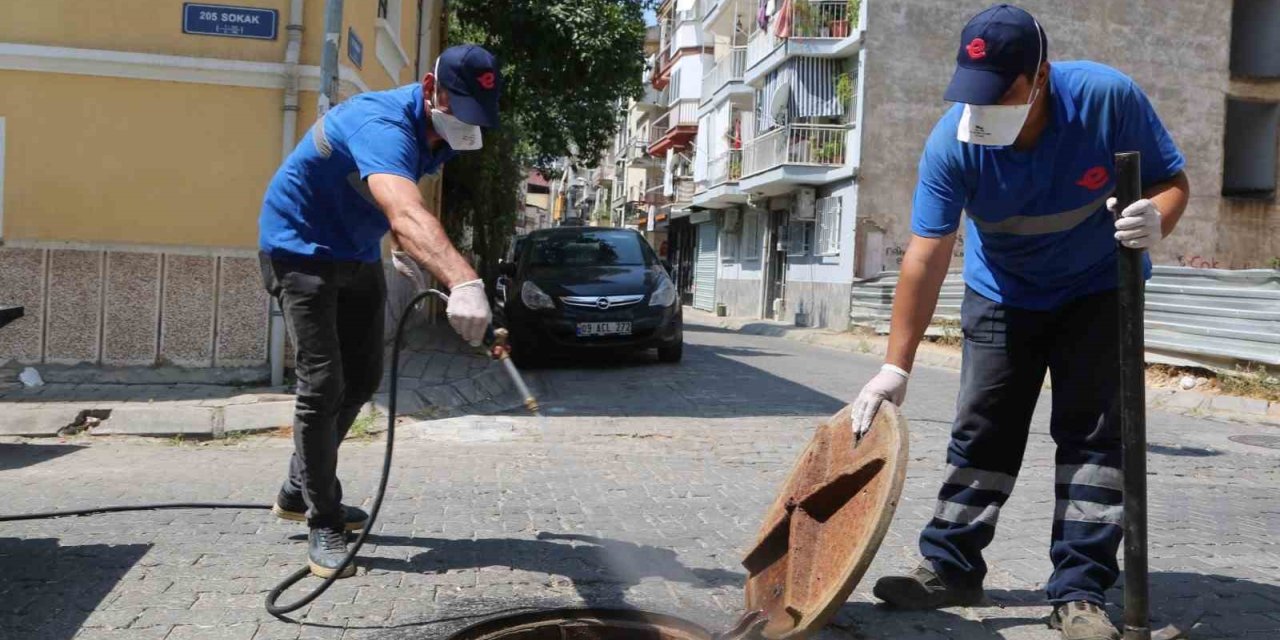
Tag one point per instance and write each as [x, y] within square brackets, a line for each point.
[1133, 411]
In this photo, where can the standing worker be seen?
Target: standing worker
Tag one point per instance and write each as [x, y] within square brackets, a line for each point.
[1027, 151]
[353, 177]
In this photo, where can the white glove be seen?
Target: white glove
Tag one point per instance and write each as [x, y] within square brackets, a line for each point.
[890, 384]
[1138, 226]
[468, 311]
[409, 268]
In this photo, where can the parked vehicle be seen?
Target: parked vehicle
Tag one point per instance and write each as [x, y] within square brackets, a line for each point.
[588, 288]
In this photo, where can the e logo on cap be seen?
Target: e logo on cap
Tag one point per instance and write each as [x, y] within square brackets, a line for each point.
[977, 49]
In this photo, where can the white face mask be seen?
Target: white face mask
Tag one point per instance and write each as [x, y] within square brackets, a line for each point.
[997, 125]
[456, 133]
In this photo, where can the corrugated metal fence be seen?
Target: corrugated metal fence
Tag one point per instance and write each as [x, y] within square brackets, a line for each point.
[1203, 317]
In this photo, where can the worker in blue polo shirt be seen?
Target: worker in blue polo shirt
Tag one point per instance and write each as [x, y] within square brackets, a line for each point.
[352, 178]
[1027, 153]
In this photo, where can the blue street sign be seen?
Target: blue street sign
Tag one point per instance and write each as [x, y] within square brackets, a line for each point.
[231, 22]
[355, 48]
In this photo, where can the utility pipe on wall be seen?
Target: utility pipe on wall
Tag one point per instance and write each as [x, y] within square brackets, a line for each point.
[289, 130]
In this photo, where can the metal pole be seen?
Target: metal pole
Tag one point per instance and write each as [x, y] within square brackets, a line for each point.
[1133, 406]
[329, 62]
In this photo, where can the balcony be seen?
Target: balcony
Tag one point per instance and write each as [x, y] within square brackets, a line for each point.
[797, 154]
[725, 78]
[819, 29]
[675, 128]
[721, 188]
[653, 99]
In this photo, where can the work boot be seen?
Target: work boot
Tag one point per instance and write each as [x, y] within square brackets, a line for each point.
[295, 508]
[923, 589]
[1081, 620]
[326, 547]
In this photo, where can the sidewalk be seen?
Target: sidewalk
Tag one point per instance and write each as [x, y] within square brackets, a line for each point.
[439, 376]
[1180, 401]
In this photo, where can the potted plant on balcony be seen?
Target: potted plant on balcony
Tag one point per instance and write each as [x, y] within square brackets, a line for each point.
[802, 22]
[735, 167]
[839, 24]
[844, 93]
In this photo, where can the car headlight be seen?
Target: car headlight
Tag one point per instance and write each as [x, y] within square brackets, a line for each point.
[664, 295]
[535, 298]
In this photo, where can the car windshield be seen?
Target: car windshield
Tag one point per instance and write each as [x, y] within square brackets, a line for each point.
[588, 249]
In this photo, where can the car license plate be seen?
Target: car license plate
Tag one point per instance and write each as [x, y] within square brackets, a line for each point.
[603, 329]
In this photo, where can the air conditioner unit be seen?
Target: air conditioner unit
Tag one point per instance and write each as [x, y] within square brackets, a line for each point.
[804, 205]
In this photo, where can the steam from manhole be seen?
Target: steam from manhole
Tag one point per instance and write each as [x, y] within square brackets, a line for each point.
[585, 624]
[1267, 442]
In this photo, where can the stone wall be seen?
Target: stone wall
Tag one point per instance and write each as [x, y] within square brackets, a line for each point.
[123, 307]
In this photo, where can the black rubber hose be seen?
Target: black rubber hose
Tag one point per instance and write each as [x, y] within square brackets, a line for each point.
[275, 609]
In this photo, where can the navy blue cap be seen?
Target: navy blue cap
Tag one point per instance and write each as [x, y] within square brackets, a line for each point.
[996, 47]
[471, 76]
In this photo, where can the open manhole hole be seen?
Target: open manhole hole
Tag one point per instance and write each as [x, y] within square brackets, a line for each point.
[814, 545]
[1269, 442]
[585, 624]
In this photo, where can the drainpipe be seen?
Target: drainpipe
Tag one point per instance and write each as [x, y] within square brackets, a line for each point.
[329, 61]
[292, 53]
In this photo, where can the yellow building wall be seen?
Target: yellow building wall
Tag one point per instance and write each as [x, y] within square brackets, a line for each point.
[108, 160]
[155, 26]
[145, 26]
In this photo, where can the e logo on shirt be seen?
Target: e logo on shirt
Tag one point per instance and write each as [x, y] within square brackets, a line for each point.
[1094, 179]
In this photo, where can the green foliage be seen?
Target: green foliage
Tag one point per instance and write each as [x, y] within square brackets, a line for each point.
[566, 63]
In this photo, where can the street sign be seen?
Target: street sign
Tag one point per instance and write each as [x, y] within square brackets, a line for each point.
[355, 48]
[230, 22]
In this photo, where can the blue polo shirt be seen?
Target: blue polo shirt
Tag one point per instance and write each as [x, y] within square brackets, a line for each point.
[1038, 231]
[318, 205]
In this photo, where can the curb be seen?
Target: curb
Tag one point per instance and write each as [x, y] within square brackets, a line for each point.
[1163, 399]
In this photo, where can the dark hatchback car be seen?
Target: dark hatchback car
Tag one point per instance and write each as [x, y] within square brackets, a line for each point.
[588, 288]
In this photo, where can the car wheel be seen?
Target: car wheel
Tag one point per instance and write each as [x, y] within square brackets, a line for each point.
[671, 353]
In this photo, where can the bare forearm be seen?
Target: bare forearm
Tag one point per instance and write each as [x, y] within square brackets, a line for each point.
[1170, 199]
[924, 267]
[420, 234]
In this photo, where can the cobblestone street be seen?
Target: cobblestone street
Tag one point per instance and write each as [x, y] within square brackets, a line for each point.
[641, 488]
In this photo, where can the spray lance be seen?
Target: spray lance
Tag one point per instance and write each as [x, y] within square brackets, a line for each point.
[498, 347]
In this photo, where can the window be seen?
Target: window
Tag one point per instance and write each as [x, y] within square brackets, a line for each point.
[1249, 164]
[1255, 29]
[799, 238]
[572, 248]
[751, 236]
[829, 215]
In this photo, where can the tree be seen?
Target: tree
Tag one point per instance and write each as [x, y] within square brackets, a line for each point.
[566, 64]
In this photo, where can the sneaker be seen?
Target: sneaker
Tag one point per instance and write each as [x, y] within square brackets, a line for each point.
[1081, 620]
[923, 589]
[326, 548]
[295, 509]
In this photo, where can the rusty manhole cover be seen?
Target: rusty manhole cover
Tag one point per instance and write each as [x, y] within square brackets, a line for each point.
[1268, 442]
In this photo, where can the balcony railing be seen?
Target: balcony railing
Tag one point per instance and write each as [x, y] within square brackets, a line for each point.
[760, 45]
[683, 114]
[816, 19]
[804, 144]
[728, 69]
[724, 168]
[810, 19]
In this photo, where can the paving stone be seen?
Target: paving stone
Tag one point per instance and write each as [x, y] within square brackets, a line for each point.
[158, 420]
